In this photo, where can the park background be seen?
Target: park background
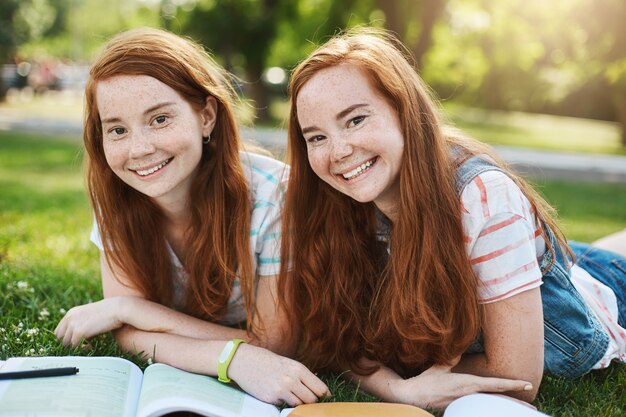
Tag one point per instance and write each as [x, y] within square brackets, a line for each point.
[548, 75]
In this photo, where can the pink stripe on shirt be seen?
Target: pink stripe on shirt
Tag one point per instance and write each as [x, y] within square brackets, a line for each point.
[527, 285]
[499, 226]
[498, 252]
[524, 268]
[483, 196]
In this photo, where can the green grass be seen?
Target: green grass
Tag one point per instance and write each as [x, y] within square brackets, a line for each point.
[48, 265]
[539, 131]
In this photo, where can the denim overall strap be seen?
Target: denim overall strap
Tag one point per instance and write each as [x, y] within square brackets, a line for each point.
[607, 267]
[574, 340]
[471, 168]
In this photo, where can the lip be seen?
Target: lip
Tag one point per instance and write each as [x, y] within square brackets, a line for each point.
[156, 167]
[340, 175]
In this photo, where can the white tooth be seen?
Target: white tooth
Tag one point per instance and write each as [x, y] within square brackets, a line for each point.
[358, 170]
[153, 169]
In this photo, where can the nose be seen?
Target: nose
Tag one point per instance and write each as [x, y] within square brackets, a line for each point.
[341, 148]
[140, 144]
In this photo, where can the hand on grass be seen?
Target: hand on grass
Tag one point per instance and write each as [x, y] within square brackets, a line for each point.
[273, 378]
[438, 386]
[88, 320]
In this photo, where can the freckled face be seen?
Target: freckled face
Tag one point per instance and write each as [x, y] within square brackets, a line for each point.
[353, 135]
[152, 136]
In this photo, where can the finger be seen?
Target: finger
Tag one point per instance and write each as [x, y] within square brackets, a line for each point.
[59, 331]
[292, 399]
[503, 385]
[67, 338]
[304, 394]
[77, 337]
[316, 385]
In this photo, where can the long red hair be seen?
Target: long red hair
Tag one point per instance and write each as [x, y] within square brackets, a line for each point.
[131, 224]
[345, 295]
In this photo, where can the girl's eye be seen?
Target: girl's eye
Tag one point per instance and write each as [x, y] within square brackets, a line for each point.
[315, 139]
[355, 121]
[118, 131]
[160, 119]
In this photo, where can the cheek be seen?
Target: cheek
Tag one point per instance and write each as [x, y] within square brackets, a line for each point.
[115, 155]
[318, 159]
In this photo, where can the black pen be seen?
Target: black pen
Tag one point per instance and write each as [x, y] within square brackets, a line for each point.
[39, 373]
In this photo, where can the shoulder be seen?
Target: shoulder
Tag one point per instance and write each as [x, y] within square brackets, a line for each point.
[493, 192]
[264, 170]
[267, 179]
[493, 200]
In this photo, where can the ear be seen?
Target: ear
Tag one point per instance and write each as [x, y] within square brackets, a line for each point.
[208, 115]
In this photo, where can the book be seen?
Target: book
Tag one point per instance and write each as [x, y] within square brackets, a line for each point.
[475, 405]
[349, 409]
[116, 387]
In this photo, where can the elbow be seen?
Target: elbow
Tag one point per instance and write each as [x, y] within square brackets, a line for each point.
[527, 371]
[534, 375]
[527, 396]
[125, 338]
[534, 378]
[275, 342]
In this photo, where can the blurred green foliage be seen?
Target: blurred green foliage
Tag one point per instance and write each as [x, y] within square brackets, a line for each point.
[564, 57]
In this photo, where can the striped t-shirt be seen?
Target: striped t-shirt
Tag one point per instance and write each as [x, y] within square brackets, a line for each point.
[505, 245]
[267, 182]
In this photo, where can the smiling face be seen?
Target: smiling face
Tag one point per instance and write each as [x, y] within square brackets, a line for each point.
[353, 136]
[152, 136]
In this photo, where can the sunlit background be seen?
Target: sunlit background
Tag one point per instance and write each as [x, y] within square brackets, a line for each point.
[563, 57]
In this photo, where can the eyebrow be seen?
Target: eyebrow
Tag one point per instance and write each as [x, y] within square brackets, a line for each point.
[149, 110]
[339, 116]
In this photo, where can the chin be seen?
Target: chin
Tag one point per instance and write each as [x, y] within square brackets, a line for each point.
[362, 199]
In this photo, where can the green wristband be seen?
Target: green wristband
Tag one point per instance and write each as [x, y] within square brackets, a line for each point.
[225, 357]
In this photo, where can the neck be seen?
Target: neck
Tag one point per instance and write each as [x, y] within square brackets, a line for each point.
[390, 211]
[177, 221]
[176, 211]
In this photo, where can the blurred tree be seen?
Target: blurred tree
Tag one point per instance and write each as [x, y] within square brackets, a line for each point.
[242, 33]
[8, 37]
[402, 17]
[251, 35]
[313, 22]
[565, 56]
[598, 47]
[21, 21]
[80, 27]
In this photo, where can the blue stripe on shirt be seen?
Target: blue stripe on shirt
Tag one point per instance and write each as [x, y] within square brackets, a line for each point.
[260, 204]
[266, 174]
[265, 261]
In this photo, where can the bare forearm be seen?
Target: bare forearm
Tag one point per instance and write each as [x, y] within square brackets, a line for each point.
[478, 364]
[156, 318]
[187, 353]
[434, 388]
[380, 383]
[263, 374]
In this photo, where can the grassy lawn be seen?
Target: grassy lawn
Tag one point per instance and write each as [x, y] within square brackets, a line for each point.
[48, 265]
[539, 131]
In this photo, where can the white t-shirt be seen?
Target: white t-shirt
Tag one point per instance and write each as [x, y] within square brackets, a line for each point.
[494, 209]
[267, 182]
